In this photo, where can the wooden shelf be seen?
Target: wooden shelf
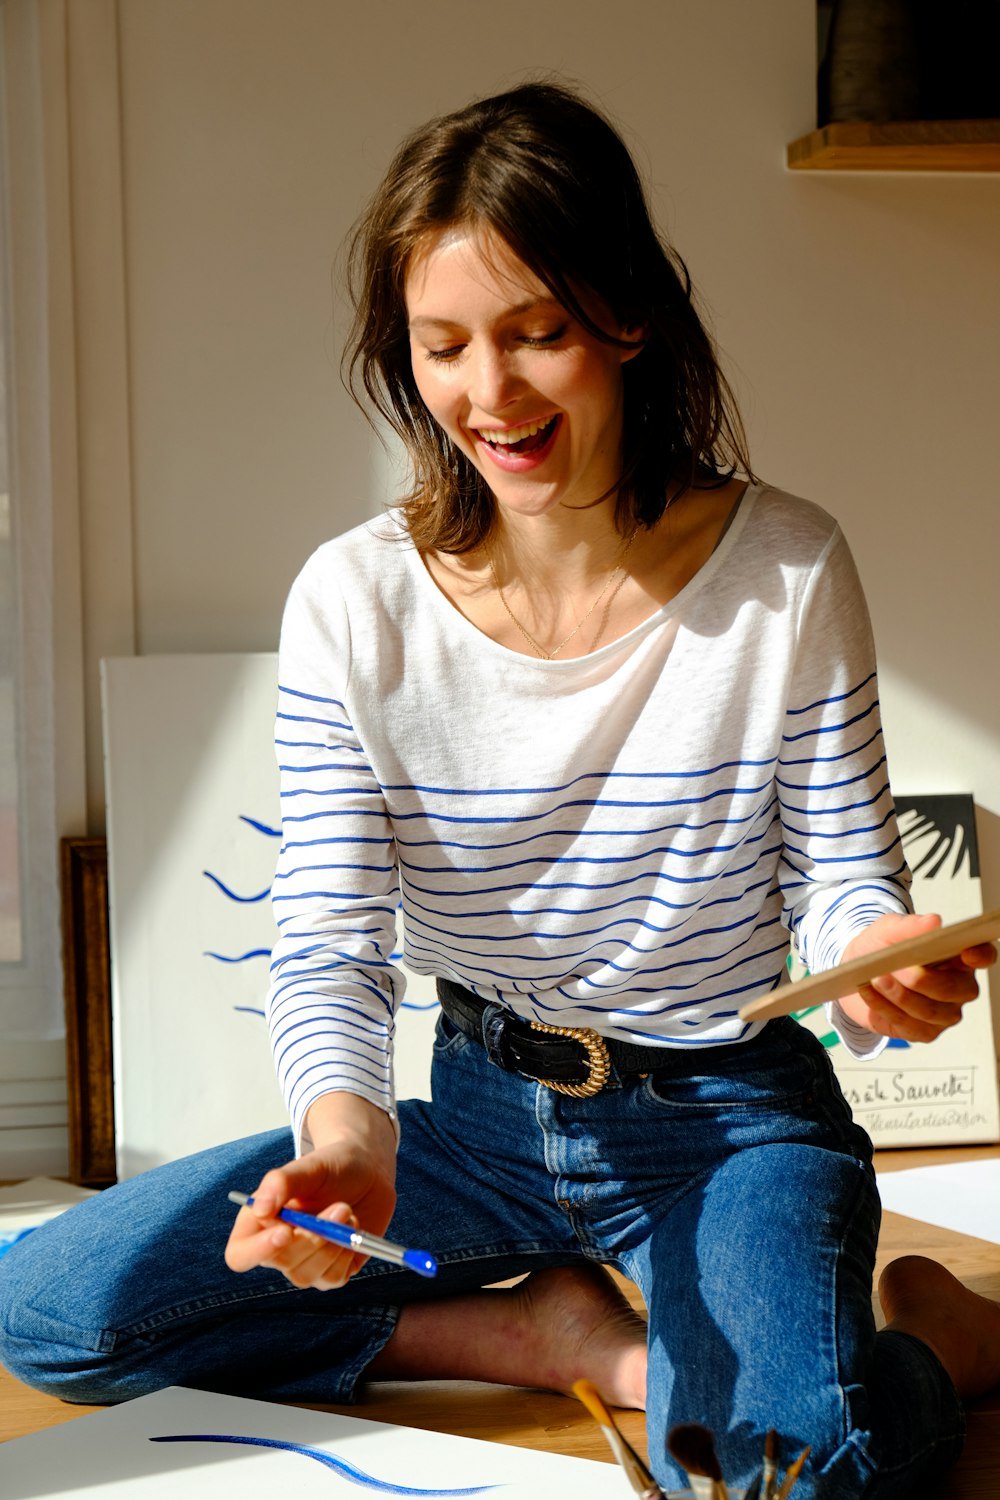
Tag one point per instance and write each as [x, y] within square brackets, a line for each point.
[899, 146]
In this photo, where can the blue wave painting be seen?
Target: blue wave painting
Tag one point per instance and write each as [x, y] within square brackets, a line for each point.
[256, 897]
[329, 1460]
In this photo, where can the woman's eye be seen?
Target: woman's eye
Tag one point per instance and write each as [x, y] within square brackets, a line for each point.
[538, 340]
[444, 355]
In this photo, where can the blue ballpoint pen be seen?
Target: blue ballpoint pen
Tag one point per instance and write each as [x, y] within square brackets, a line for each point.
[353, 1239]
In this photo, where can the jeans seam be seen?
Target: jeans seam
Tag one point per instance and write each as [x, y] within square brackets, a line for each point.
[182, 1311]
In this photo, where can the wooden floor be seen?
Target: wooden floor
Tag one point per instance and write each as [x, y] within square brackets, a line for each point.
[535, 1419]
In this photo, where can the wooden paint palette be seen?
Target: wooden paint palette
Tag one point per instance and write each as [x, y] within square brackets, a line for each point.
[930, 948]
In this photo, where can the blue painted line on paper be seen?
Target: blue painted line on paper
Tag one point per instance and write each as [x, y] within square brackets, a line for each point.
[329, 1460]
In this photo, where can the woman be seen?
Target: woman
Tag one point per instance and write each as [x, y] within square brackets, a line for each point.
[603, 713]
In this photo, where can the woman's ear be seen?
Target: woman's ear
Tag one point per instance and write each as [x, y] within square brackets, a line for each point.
[637, 336]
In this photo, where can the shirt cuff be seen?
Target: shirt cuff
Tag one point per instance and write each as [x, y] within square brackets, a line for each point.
[860, 1042]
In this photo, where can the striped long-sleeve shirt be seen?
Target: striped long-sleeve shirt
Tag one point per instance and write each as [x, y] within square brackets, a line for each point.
[624, 840]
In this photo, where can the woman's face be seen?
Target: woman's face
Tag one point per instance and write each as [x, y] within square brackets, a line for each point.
[521, 387]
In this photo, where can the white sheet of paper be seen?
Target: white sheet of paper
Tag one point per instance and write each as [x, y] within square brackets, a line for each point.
[957, 1195]
[109, 1455]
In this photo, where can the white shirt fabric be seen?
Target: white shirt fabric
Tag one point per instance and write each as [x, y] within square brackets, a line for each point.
[622, 841]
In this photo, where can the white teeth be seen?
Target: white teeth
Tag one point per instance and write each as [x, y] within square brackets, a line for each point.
[511, 434]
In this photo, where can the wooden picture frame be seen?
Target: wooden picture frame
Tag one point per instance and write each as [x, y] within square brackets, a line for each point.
[87, 993]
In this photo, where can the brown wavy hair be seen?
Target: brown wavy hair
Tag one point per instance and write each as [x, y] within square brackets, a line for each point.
[550, 176]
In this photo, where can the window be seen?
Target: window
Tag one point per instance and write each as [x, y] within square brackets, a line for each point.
[11, 936]
[30, 967]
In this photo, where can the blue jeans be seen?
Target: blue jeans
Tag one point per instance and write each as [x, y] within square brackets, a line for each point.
[731, 1185]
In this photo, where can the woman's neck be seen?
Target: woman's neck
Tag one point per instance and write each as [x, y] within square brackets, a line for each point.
[562, 551]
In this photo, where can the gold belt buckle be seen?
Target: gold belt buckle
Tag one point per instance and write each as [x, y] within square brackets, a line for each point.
[597, 1055]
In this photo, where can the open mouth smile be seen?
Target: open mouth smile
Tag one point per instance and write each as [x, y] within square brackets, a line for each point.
[527, 443]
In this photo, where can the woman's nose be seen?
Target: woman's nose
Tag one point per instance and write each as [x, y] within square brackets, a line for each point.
[492, 380]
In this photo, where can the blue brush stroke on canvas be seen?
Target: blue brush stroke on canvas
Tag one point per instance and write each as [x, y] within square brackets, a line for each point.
[330, 1460]
[260, 896]
[272, 833]
[233, 895]
[238, 958]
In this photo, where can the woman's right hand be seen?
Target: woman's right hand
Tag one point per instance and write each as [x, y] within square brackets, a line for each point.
[348, 1176]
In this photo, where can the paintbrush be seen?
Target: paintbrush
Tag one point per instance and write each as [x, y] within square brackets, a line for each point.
[754, 1490]
[639, 1477]
[770, 1471]
[693, 1446]
[792, 1473]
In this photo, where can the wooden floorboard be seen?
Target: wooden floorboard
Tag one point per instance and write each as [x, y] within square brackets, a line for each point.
[537, 1419]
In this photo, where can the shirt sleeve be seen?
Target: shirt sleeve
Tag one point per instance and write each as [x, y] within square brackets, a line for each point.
[843, 863]
[334, 993]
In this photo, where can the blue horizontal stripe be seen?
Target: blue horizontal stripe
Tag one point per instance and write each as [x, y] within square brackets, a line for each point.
[789, 739]
[564, 786]
[837, 698]
[307, 719]
[828, 786]
[311, 697]
[843, 833]
[848, 753]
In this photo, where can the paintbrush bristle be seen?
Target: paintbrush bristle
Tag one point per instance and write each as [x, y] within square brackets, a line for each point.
[770, 1470]
[693, 1446]
[641, 1480]
[587, 1392]
[792, 1473]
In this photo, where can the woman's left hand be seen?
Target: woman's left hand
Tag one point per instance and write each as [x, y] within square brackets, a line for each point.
[914, 1004]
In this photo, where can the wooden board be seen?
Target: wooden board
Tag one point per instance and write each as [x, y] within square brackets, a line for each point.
[930, 948]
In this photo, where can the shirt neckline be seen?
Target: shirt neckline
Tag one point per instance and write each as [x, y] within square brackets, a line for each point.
[450, 613]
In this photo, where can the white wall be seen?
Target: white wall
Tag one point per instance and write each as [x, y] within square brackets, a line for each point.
[859, 314]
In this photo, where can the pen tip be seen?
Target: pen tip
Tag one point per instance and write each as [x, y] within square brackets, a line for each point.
[421, 1262]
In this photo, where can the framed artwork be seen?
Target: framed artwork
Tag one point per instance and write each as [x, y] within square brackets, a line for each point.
[943, 1093]
[87, 994]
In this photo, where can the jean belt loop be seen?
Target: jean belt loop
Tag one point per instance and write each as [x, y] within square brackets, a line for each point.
[494, 1021]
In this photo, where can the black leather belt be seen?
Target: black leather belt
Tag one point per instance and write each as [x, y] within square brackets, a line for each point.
[570, 1059]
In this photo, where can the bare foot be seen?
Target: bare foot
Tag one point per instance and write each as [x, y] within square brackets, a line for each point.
[556, 1326]
[922, 1298]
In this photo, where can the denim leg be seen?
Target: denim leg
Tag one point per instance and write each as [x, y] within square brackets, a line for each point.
[733, 1187]
[128, 1291]
[758, 1280]
[760, 1311]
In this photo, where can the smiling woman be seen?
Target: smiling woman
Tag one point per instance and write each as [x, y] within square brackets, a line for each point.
[600, 712]
[544, 194]
[520, 388]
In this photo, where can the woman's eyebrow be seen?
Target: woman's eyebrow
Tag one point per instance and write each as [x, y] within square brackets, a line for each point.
[531, 305]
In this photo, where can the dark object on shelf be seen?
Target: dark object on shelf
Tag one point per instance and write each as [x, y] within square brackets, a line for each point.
[908, 60]
[871, 62]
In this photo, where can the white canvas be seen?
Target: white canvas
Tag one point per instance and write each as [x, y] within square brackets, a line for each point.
[193, 818]
[111, 1455]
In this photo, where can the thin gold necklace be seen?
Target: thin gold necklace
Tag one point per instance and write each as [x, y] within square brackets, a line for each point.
[619, 572]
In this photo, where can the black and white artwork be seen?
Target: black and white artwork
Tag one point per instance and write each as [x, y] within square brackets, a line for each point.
[945, 1092]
